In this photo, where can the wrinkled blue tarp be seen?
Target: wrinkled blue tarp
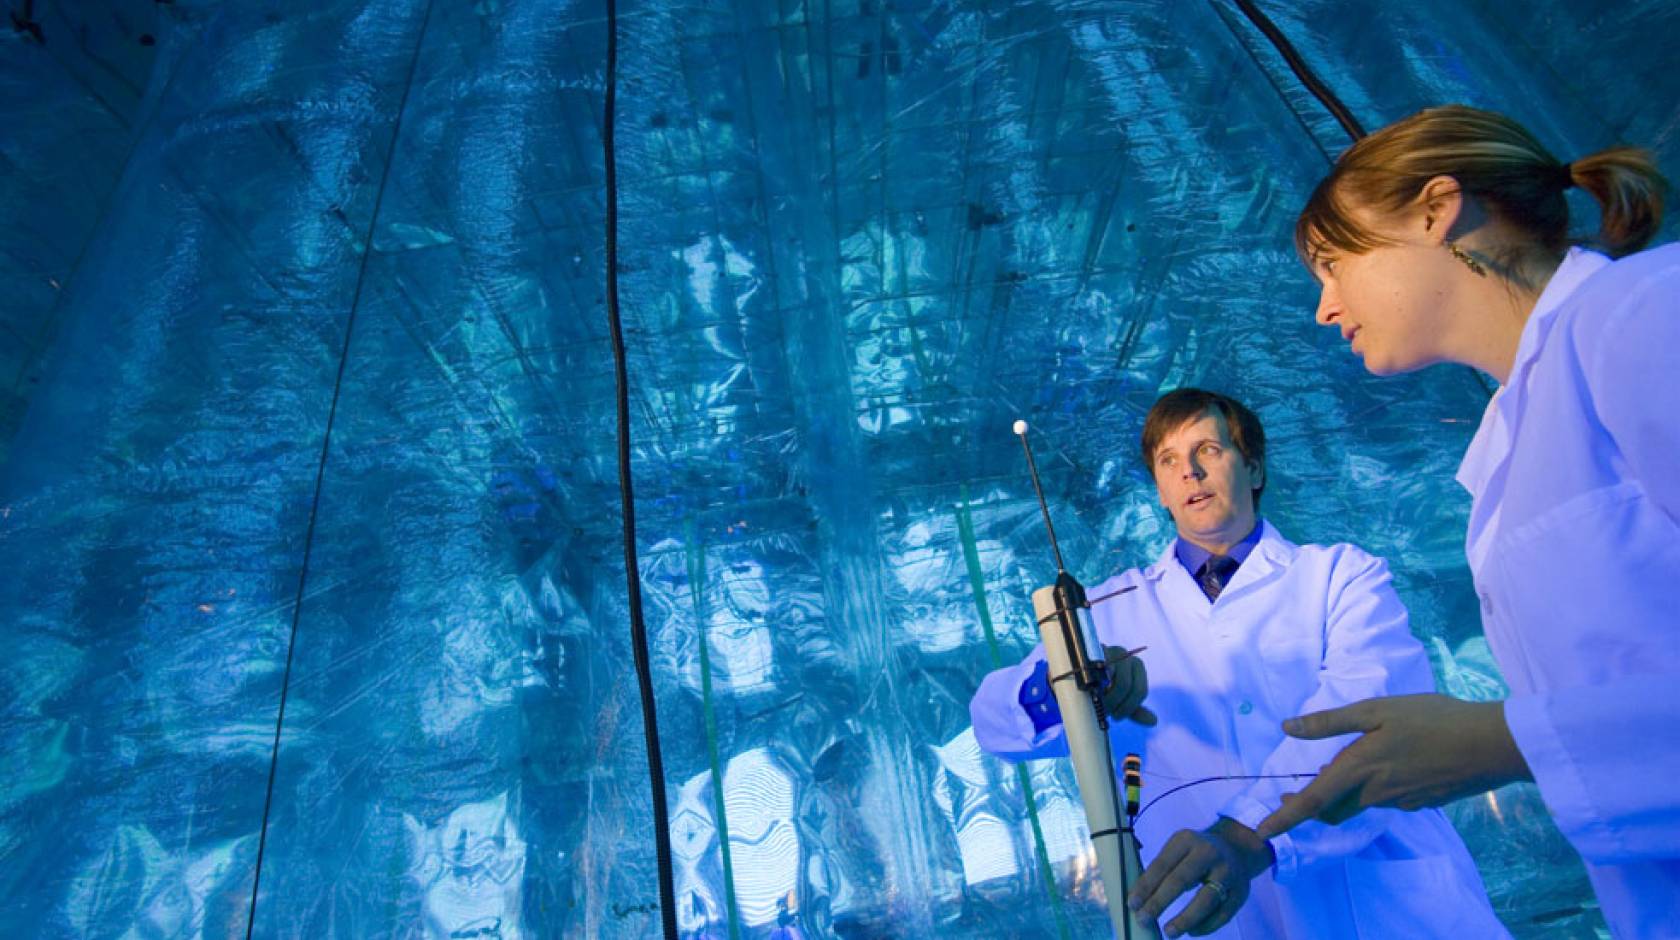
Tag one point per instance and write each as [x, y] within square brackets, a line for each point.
[859, 238]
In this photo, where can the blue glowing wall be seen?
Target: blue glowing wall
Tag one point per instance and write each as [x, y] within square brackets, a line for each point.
[859, 239]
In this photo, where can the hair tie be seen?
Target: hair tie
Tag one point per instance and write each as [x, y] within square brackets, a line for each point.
[1566, 176]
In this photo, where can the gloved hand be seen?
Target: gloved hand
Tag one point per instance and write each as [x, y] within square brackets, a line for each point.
[1127, 685]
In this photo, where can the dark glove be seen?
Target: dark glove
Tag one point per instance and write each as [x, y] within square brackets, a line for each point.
[1127, 685]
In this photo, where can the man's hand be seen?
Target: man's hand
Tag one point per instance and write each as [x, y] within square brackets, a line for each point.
[1127, 686]
[1221, 859]
[1417, 751]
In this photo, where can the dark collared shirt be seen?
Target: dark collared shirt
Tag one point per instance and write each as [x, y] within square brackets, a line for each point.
[1193, 557]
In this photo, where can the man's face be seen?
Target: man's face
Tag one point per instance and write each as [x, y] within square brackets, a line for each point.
[1205, 483]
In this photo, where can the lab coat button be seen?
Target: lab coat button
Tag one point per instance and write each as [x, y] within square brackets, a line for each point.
[1245, 708]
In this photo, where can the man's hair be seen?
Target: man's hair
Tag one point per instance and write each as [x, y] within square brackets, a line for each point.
[1181, 406]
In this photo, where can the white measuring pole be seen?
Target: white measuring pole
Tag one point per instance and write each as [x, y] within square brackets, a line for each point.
[1093, 768]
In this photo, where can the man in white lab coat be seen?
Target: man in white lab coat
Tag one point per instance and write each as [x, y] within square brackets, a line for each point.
[1242, 629]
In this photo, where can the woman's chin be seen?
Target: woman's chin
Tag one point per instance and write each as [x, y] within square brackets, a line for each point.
[1378, 364]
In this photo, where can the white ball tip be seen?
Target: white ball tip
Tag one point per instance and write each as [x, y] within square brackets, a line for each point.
[1020, 426]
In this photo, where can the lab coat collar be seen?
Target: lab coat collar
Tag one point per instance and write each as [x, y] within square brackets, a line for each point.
[1493, 437]
[1274, 552]
[1578, 265]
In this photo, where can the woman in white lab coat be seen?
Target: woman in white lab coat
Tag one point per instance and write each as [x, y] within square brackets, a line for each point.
[1444, 238]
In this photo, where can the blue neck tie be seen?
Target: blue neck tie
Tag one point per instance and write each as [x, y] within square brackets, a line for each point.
[1215, 574]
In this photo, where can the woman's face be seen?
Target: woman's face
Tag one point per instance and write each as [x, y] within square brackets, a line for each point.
[1389, 302]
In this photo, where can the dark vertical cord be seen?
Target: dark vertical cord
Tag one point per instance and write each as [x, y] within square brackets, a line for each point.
[1302, 71]
[321, 468]
[632, 568]
[1322, 92]
[1272, 81]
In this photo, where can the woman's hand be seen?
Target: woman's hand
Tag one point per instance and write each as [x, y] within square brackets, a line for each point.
[1416, 751]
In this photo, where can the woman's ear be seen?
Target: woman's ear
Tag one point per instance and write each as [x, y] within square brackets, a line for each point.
[1439, 204]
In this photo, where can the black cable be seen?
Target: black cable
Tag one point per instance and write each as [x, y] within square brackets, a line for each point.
[1125, 877]
[1302, 71]
[1184, 786]
[321, 468]
[1322, 92]
[632, 568]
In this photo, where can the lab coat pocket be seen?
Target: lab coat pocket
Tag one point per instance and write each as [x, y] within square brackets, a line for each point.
[1575, 587]
[1413, 899]
[1291, 659]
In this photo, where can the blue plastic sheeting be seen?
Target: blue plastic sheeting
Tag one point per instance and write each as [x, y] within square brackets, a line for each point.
[858, 241]
[67, 114]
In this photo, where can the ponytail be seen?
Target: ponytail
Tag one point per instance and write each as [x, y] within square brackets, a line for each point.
[1629, 191]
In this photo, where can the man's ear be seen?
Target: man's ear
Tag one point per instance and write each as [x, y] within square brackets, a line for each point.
[1257, 470]
[1437, 208]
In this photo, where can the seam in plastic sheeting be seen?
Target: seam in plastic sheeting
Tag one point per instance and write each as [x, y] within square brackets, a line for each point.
[321, 470]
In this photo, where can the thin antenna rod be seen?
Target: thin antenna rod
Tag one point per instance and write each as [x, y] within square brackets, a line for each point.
[1021, 431]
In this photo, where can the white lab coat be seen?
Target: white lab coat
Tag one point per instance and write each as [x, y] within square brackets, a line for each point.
[1573, 541]
[1299, 628]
